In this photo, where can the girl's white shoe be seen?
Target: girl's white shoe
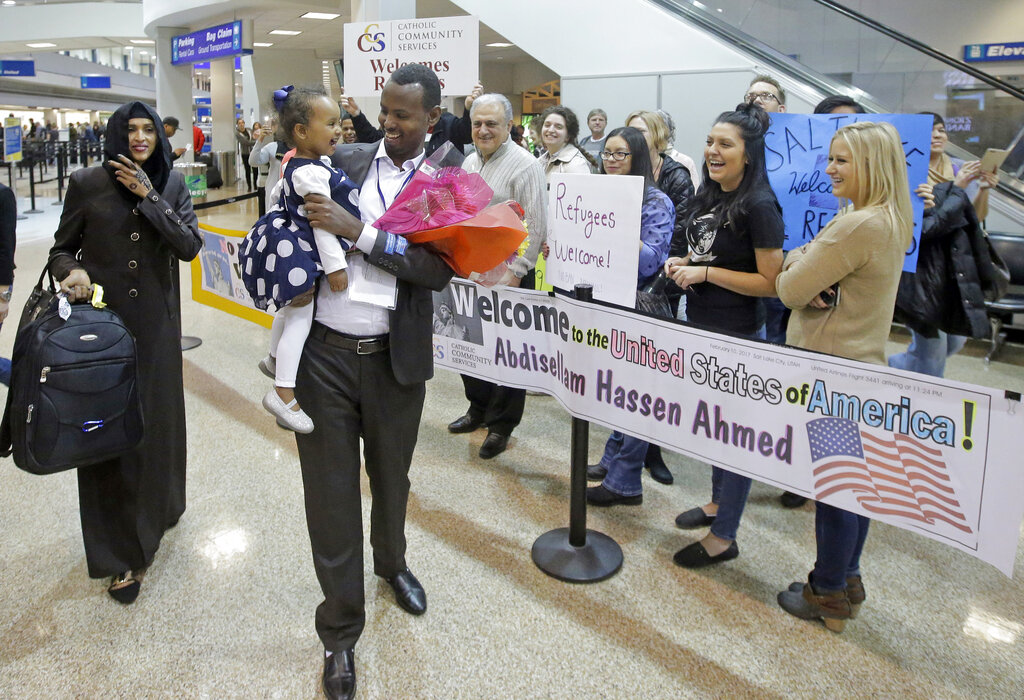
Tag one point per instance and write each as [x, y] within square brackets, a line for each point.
[286, 417]
[268, 365]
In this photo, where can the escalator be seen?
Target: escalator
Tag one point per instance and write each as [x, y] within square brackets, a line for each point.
[833, 49]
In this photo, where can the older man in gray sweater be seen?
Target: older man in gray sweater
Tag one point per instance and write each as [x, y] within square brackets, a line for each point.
[513, 173]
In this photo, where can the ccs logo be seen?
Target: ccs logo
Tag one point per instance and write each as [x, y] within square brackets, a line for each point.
[370, 41]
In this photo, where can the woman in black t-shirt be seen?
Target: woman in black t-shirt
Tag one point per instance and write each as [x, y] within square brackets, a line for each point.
[735, 235]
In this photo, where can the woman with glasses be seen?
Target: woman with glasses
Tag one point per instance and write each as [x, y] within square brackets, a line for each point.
[559, 128]
[735, 233]
[626, 153]
[862, 251]
[673, 179]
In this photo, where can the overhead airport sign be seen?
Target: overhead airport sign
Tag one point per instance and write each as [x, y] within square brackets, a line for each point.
[23, 69]
[214, 42]
[449, 46]
[95, 82]
[980, 53]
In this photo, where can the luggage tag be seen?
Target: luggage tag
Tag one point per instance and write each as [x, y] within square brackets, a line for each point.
[63, 306]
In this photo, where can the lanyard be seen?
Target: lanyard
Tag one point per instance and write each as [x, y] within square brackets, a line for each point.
[380, 192]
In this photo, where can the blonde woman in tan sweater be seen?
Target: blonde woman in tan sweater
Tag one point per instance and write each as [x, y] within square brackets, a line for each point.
[842, 289]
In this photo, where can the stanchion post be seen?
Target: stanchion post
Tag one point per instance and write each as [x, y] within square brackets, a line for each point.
[60, 176]
[576, 554]
[32, 191]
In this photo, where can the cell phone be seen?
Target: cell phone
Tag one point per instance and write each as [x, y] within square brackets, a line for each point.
[831, 296]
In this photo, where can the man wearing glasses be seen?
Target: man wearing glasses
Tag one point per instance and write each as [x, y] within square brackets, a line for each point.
[767, 93]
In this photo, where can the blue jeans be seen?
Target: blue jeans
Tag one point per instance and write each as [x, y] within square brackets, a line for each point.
[840, 535]
[730, 492]
[928, 355]
[776, 320]
[624, 459]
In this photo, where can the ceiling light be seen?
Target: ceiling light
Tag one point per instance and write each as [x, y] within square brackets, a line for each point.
[284, 32]
[9, 2]
[142, 41]
[319, 15]
[500, 45]
[41, 45]
[262, 44]
[144, 53]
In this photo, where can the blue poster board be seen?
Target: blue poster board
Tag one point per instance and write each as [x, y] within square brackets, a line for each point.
[796, 154]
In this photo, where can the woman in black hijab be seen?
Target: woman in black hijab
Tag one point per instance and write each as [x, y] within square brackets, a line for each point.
[125, 225]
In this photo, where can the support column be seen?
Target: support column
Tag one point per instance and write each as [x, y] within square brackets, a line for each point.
[174, 90]
[222, 103]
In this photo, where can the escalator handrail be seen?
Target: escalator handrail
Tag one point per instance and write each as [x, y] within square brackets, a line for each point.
[923, 48]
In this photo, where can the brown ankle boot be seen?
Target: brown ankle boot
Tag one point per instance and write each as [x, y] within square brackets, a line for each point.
[831, 607]
[855, 592]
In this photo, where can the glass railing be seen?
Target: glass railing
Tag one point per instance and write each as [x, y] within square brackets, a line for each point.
[836, 50]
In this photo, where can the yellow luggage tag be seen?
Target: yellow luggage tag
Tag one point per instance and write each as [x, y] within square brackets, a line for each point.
[97, 296]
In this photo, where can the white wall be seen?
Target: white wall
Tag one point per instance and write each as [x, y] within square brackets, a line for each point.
[46, 22]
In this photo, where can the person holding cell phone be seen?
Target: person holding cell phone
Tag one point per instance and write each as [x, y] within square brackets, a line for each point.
[862, 250]
[942, 302]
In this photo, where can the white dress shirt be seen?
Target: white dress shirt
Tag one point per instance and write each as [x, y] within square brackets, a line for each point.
[336, 310]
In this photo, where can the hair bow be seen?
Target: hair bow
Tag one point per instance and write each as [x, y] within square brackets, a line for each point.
[281, 95]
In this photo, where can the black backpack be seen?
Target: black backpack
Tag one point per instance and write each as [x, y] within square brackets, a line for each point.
[74, 397]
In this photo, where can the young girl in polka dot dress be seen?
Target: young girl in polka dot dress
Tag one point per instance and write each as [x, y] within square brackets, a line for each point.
[283, 255]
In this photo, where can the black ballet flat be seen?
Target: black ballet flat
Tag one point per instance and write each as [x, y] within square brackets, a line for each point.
[125, 586]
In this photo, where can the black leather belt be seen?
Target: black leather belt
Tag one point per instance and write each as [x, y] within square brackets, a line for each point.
[360, 346]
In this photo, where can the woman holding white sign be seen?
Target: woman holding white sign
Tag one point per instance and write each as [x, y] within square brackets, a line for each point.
[623, 460]
[842, 289]
[734, 233]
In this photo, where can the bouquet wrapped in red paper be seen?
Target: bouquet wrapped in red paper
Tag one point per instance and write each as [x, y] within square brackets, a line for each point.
[445, 207]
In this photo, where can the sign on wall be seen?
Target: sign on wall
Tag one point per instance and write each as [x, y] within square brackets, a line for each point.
[95, 82]
[205, 44]
[24, 69]
[796, 155]
[449, 46]
[980, 53]
[594, 234]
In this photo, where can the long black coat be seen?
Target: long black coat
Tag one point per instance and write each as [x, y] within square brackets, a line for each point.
[945, 292]
[132, 247]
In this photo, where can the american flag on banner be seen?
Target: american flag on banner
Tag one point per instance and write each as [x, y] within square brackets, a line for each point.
[898, 476]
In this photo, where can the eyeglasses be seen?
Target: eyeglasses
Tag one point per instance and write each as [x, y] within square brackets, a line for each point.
[618, 155]
[763, 96]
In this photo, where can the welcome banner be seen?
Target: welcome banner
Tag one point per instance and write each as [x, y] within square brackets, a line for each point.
[929, 455]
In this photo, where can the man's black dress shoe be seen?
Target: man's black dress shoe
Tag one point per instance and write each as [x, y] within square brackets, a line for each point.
[465, 424]
[494, 445]
[600, 496]
[596, 472]
[655, 464]
[340, 675]
[409, 594]
[792, 500]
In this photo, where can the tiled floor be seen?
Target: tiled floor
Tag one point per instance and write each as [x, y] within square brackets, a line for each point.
[227, 609]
